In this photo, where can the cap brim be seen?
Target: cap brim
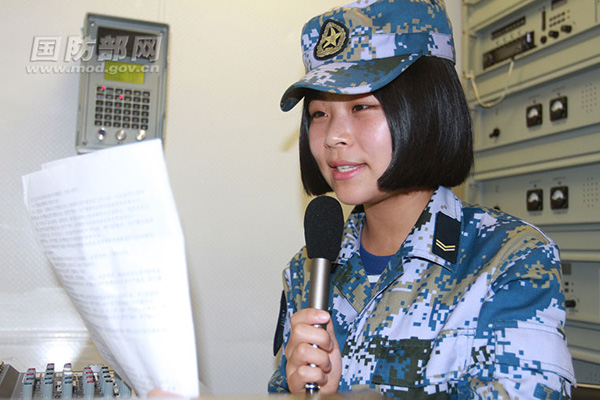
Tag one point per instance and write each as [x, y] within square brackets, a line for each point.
[347, 78]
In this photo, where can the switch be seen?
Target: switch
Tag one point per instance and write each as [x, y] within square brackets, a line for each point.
[535, 198]
[558, 108]
[559, 198]
[534, 115]
[566, 28]
[553, 34]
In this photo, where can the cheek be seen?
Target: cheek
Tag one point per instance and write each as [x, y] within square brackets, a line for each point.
[379, 143]
[316, 146]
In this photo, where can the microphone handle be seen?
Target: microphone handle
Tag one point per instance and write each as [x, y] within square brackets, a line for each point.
[318, 297]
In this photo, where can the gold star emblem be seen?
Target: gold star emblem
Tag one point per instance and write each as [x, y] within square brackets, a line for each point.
[332, 40]
[332, 37]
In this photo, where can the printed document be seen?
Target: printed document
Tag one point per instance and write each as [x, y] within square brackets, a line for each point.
[108, 224]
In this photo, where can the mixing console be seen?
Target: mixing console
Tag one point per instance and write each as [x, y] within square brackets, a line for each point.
[95, 381]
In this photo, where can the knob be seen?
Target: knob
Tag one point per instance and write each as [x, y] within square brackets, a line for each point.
[121, 135]
[495, 133]
[141, 135]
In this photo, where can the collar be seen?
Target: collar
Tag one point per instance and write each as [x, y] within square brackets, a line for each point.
[441, 216]
[434, 238]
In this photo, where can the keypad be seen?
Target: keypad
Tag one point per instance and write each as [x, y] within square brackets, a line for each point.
[122, 108]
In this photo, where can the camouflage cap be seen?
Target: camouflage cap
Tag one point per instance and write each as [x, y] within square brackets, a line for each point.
[361, 47]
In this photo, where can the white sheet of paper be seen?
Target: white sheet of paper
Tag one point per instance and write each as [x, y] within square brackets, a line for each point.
[108, 223]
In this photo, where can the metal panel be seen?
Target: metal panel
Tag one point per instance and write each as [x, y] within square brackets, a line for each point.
[537, 151]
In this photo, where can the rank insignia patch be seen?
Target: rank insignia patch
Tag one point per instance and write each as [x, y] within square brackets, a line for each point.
[332, 40]
[446, 237]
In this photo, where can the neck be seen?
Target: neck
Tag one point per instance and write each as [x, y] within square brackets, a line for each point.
[389, 222]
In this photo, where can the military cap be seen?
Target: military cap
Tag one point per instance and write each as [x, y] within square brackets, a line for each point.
[360, 47]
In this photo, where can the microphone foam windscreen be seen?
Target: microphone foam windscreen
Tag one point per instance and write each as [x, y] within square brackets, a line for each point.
[323, 228]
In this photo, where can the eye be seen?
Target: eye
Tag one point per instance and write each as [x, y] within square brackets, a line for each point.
[360, 107]
[316, 114]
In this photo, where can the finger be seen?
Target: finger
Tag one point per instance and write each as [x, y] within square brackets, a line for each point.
[310, 316]
[304, 333]
[160, 393]
[307, 374]
[331, 333]
[307, 354]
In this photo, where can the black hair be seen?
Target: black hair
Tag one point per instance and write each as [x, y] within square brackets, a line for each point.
[430, 124]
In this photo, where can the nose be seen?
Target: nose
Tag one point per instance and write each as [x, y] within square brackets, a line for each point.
[338, 132]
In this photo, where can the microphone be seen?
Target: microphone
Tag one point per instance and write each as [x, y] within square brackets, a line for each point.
[323, 229]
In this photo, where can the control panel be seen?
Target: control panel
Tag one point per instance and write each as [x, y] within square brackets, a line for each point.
[562, 196]
[546, 38]
[563, 104]
[535, 27]
[122, 92]
[532, 70]
[94, 381]
[581, 280]
[556, 123]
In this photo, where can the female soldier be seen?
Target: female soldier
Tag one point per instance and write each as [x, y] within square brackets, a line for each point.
[430, 296]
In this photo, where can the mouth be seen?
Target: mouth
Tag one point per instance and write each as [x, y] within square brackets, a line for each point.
[343, 170]
[347, 168]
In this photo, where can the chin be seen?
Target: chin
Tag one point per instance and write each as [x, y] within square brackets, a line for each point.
[350, 199]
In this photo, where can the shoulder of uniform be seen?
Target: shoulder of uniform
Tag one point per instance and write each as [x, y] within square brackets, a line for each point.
[446, 237]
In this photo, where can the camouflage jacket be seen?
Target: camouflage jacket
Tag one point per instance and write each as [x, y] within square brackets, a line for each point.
[471, 306]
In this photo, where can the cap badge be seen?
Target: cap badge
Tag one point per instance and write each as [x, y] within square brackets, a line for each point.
[332, 40]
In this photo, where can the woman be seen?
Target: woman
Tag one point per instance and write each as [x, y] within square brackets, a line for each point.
[430, 296]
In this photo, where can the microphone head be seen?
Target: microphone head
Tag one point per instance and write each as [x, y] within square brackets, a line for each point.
[323, 228]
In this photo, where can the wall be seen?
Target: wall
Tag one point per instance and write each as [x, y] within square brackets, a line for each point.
[232, 160]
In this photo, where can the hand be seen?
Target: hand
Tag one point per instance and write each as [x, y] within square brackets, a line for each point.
[160, 393]
[301, 353]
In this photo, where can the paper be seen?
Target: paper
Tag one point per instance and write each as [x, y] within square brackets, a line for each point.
[108, 224]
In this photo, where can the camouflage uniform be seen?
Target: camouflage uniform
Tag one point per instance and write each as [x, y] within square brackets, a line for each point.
[471, 306]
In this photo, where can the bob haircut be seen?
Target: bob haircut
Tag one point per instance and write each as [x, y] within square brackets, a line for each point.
[430, 124]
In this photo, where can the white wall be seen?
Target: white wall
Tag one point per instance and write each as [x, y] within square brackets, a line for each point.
[232, 160]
